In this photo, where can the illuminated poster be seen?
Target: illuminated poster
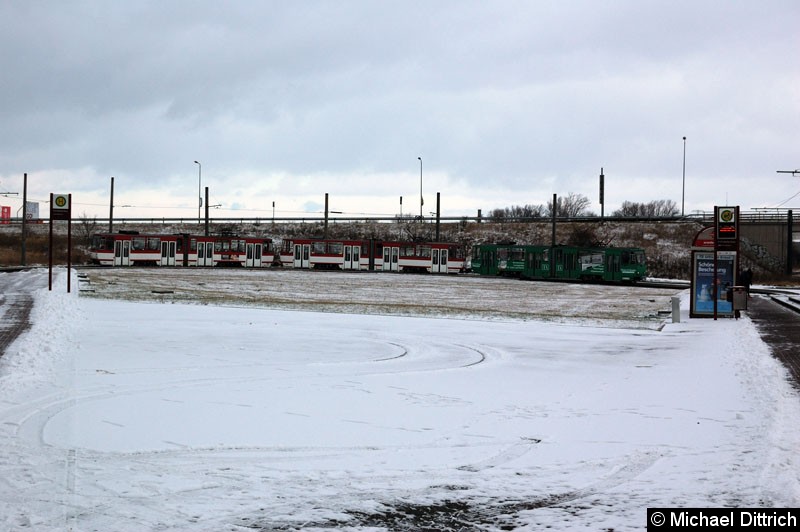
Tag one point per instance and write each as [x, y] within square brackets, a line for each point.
[703, 287]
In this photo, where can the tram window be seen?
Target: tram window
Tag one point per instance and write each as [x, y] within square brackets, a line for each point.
[138, 243]
[153, 243]
[335, 248]
[424, 251]
[318, 248]
[193, 244]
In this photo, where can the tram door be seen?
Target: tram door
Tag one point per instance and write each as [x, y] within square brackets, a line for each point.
[302, 253]
[390, 259]
[439, 261]
[168, 252]
[253, 256]
[352, 258]
[205, 253]
[122, 253]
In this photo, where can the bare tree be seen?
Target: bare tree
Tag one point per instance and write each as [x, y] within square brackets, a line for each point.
[87, 227]
[570, 206]
[656, 208]
[517, 212]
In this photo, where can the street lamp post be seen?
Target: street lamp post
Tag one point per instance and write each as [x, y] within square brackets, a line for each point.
[199, 192]
[683, 189]
[421, 198]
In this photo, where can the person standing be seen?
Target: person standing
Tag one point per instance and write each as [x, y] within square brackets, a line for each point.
[747, 280]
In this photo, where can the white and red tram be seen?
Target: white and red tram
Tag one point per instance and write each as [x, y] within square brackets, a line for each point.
[134, 249]
[432, 257]
[326, 254]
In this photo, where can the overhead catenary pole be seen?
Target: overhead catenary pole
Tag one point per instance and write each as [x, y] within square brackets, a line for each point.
[69, 246]
[24, 216]
[789, 250]
[683, 188]
[421, 197]
[206, 227]
[602, 193]
[199, 191]
[553, 238]
[325, 228]
[111, 208]
[438, 213]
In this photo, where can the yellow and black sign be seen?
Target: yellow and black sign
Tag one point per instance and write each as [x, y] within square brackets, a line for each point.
[727, 223]
[60, 206]
[60, 201]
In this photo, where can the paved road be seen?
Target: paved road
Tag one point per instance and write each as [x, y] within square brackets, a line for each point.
[16, 301]
[780, 329]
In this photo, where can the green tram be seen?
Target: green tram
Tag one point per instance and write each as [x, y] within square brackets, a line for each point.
[499, 259]
[560, 262]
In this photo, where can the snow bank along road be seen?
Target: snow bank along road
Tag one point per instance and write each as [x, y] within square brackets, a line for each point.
[129, 415]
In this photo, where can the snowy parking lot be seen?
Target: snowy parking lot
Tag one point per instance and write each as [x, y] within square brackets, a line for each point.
[305, 400]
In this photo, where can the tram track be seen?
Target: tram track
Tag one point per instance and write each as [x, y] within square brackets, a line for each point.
[787, 301]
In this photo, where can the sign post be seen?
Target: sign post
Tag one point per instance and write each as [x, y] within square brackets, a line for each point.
[60, 209]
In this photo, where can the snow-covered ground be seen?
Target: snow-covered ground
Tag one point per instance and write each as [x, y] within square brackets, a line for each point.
[140, 415]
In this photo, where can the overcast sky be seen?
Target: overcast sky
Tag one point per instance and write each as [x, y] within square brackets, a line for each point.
[505, 102]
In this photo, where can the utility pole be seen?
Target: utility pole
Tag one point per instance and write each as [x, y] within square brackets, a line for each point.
[24, 216]
[421, 198]
[683, 189]
[602, 193]
[111, 209]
